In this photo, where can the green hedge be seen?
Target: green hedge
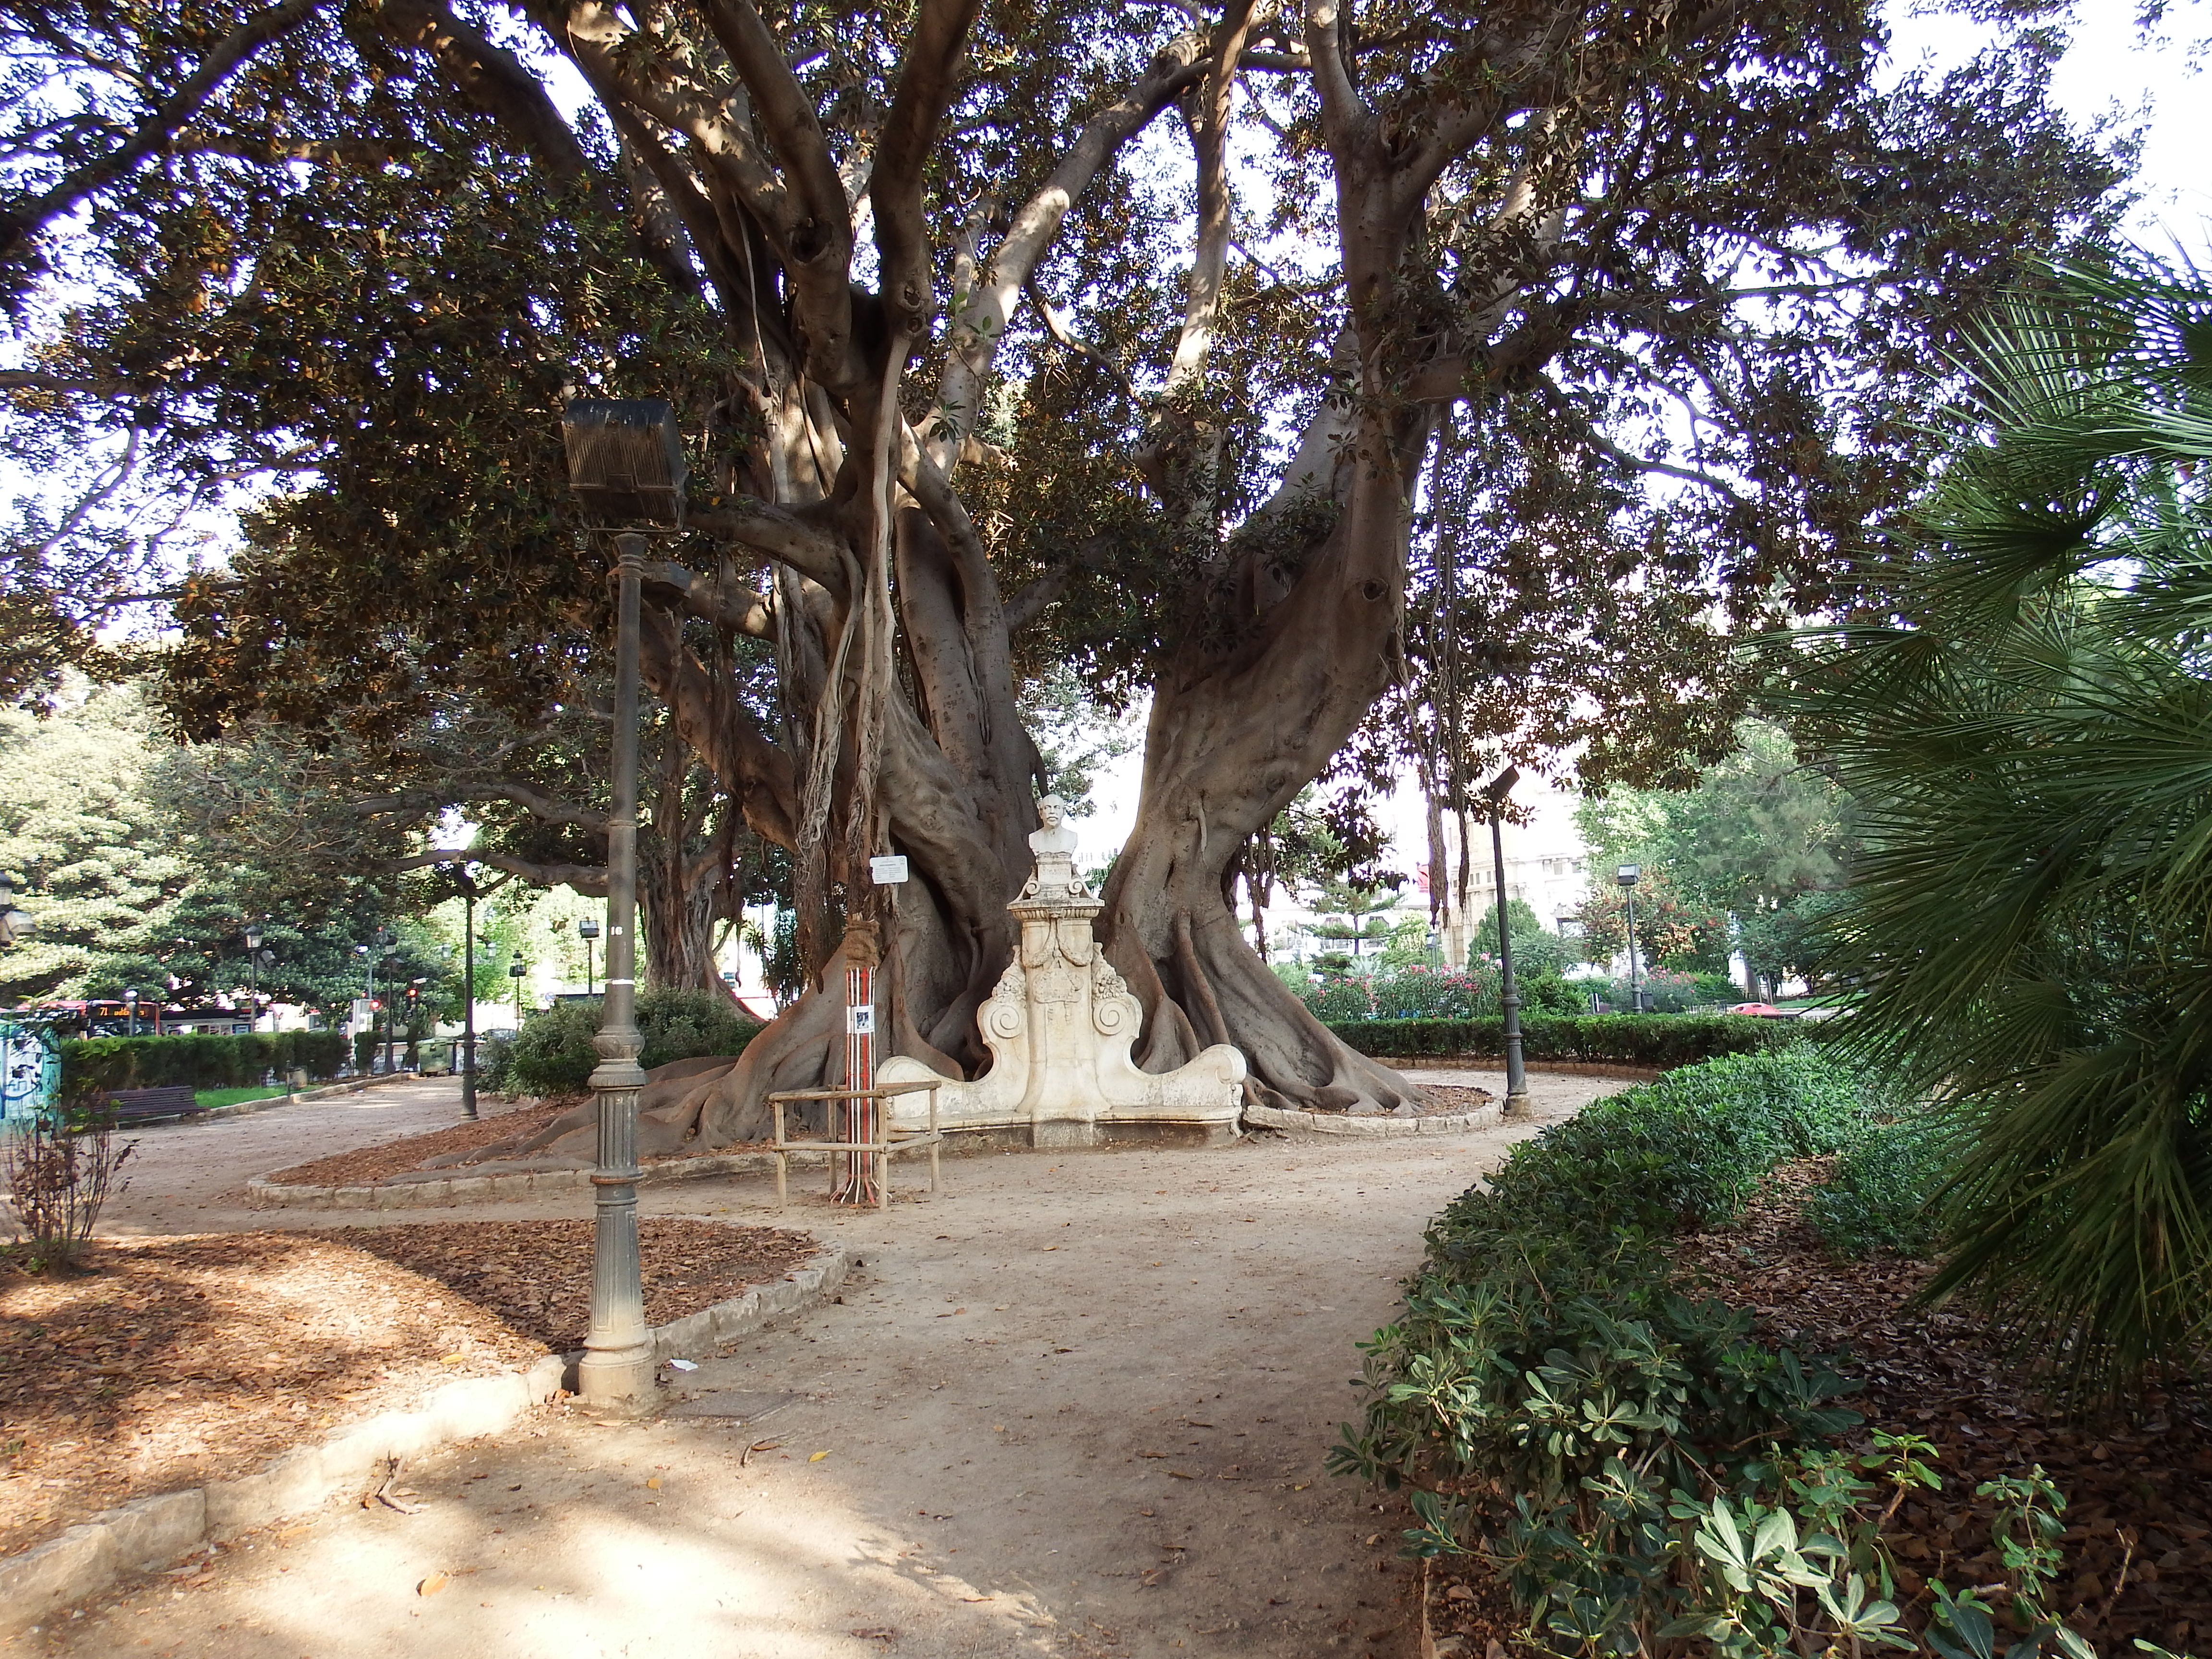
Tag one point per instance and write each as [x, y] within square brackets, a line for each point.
[1663, 1040]
[553, 1053]
[199, 1062]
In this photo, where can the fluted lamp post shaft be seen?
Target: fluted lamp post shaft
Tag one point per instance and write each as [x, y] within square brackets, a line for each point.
[626, 465]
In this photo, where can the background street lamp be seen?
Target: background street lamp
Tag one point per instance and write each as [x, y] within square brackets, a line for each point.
[387, 949]
[463, 881]
[131, 1009]
[516, 970]
[252, 976]
[1509, 993]
[587, 929]
[1627, 876]
[626, 465]
[16, 925]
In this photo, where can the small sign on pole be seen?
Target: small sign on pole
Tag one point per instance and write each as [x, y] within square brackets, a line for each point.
[860, 1022]
[885, 871]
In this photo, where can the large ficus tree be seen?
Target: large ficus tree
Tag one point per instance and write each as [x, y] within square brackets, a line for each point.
[1110, 335]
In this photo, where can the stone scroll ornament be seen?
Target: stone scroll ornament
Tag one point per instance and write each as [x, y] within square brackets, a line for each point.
[1060, 1026]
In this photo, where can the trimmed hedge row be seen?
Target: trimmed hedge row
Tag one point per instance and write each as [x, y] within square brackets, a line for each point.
[211, 1061]
[1662, 1040]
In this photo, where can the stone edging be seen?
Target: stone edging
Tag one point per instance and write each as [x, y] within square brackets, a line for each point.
[434, 1190]
[145, 1536]
[1376, 1126]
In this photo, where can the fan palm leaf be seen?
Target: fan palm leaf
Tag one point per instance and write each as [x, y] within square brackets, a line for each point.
[2031, 744]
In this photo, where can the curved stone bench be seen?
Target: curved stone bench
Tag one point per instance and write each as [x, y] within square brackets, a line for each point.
[1376, 1126]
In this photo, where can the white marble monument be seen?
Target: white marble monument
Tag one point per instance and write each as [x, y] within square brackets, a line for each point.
[1060, 1026]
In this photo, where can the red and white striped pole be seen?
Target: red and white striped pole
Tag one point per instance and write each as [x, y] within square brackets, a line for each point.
[856, 1121]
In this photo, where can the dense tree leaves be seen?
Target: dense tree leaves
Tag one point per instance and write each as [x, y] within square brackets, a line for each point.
[980, 374]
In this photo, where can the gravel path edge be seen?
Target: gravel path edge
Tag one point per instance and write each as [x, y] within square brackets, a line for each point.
[147, 1535]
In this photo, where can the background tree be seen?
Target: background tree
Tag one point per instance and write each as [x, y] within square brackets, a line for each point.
[1745, 853]
[1597, 225]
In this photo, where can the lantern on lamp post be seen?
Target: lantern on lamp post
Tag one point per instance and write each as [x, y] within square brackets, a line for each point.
[626, 465]
[587, 929]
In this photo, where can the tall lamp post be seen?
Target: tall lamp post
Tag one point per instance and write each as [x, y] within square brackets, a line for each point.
[386, 949]
[587, 929]
[252, 976]
[626, 466]
[1516, 1074]
[1627, 876]
[516, 970]
[463, 881]
[131, 1009]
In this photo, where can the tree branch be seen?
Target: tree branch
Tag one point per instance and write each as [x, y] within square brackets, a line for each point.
[589, 879]
[927, 81]
[19, 224]
[777, 531]
[982, 322]
[493, 79]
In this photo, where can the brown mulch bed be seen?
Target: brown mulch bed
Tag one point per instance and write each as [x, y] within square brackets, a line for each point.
[536, 1275]
[174, 1362]
[1445, 1100]
[366, 1166]
[2138, 1540]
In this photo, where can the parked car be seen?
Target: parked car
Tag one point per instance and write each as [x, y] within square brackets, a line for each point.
[1762, 1010]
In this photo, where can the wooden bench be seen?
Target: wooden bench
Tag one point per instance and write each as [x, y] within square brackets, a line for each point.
[154, 1105]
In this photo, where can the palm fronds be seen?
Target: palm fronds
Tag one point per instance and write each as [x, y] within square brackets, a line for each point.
[2031, 745]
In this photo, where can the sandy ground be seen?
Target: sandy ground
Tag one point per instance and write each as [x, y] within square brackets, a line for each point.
[1076, 1405]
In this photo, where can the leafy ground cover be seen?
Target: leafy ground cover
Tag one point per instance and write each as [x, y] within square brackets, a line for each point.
[173, 1362]
[2135, 1550]
[1584, 1395]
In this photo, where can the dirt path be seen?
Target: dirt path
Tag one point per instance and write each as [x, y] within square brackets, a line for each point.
[189, 1178]
[1076, 1406]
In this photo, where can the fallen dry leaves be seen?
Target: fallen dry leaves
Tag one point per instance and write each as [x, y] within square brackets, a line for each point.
[2138, 1489]
[174, 1362]
[364, 1166]
[536, 1275]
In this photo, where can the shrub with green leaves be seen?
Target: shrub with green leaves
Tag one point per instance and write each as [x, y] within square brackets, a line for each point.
[552, 1054]
[208, 1061]
[1880, 1197]
[1639, 1468]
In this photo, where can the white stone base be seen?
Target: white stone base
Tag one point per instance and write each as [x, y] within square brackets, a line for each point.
[1059, 1027]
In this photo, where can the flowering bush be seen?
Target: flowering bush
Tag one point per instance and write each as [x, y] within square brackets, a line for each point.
[1421, 993]
[1341, 996]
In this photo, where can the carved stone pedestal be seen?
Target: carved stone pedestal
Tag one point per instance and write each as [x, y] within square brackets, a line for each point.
[1059, 1025]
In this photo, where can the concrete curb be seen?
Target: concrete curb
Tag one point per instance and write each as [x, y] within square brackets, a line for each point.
[436, 1190]
[149, 1534]
[1377, 1127]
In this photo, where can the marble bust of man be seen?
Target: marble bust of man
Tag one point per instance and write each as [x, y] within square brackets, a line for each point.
[1052, 836]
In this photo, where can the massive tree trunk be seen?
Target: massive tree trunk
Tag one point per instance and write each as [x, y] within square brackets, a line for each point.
[1237, 730]
[854, 508]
